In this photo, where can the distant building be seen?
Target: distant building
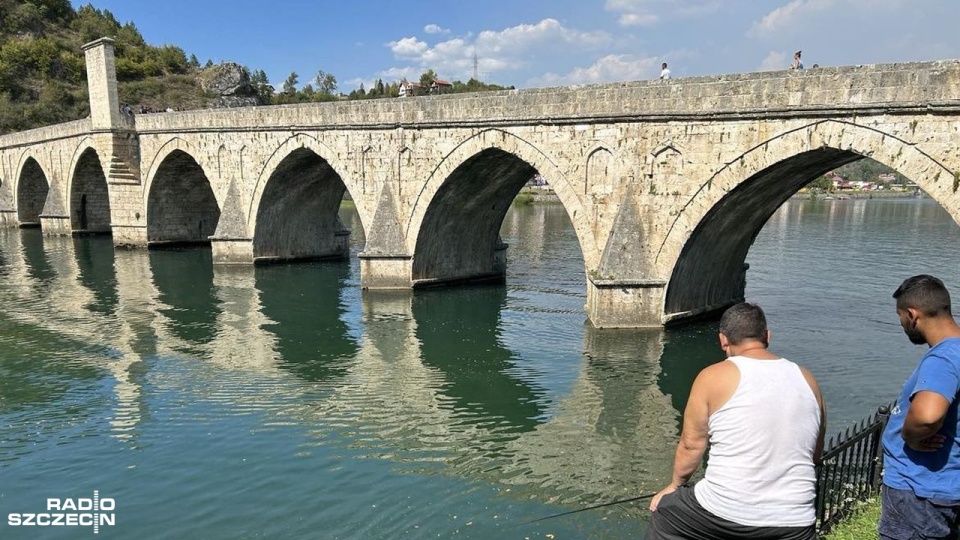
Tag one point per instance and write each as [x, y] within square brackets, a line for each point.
[410, 89]
[440, 86]
[890, 178]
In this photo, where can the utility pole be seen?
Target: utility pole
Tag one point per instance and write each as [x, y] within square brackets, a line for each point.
[476, 63]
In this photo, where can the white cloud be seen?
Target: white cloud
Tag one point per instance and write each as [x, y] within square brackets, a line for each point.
[435, 29]
[545, 31]
[775, 60]
[638, 19]
[408, 47]
[651, 12]
[398, 73]
[633, 12]
[610, 68]
[787, 15]
[496, 50]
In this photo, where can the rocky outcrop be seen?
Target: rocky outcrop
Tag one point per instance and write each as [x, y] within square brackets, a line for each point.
[229, 85]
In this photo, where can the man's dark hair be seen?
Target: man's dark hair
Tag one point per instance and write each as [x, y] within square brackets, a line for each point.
[743, 322]
[924, 292]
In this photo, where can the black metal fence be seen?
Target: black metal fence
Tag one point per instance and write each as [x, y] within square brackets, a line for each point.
[849, 471]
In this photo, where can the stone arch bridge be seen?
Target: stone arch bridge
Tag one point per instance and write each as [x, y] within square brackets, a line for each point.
[666, 183]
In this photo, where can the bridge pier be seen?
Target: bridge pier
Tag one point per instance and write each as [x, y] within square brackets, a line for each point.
[8, 219]
[55, 225]
[613, 303]
[228, 250]
[386, 271]
[129, 236]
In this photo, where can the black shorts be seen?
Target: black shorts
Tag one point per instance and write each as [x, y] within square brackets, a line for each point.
[680, 517]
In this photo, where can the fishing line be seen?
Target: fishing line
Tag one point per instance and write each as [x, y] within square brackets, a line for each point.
[620, 501]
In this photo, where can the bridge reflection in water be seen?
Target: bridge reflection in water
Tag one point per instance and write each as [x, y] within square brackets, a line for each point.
[192, 391]
[501, 395]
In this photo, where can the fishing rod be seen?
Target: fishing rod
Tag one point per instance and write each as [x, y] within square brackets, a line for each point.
[619, 501]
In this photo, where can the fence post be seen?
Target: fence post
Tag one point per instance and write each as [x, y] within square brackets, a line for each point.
[876, 467]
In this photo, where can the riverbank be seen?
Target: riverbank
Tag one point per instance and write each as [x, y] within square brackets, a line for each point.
[841, 195]
[536, 195]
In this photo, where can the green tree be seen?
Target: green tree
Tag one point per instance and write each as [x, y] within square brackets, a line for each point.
[258, 79]
[426, 80]
[326, 82]
[290, 85]
[822, 183]
[194, 62]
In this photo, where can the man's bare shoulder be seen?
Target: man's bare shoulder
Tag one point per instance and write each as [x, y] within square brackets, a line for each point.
[722, 374]
[723, 368]
[811, 380]
[716, 384]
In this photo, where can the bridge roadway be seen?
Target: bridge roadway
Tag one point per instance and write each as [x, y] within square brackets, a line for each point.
[666, 182]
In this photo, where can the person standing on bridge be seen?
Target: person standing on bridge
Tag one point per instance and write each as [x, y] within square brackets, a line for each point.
[764, 418]
[797, 62]
[921, 449]
[664, 72]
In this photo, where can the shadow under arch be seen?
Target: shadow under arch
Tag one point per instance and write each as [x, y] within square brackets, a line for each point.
[96, 272]
[715, 230]
[459, 335]
[181, 205]
[454, 225]
[297, 210]
[32, 190]
[89, 195]
[39, 267]
[305, 306]
[184, 283]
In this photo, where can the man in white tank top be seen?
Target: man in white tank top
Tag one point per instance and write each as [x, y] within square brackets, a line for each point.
[764, 419]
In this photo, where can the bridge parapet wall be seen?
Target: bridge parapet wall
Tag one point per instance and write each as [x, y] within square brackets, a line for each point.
[44, 134]
[831, 90]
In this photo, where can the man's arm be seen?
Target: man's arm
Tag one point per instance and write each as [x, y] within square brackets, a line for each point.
[818, 450]
[693, 438]
[924, 418]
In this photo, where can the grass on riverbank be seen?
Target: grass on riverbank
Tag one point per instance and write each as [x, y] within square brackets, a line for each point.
[861, 525]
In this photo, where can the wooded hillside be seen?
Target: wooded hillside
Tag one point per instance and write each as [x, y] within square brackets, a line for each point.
[42, 69]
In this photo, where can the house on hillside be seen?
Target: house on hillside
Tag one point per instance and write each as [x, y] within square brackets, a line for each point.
[440, 86]
[410, 89]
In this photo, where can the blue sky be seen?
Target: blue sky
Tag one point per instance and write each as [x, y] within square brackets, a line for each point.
[532, 43]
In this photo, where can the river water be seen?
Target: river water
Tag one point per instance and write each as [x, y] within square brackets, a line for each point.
[281, 402]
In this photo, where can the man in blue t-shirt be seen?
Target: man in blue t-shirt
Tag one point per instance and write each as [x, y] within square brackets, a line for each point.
[921, 451]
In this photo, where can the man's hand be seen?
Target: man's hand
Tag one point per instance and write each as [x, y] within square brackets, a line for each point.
[930, 444]
[656, 498]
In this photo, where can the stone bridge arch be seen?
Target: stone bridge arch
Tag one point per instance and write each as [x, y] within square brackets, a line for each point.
[88, 191]
[294, 210]
[705, 248]
[31, 190]
[452, 215]
[180, 203]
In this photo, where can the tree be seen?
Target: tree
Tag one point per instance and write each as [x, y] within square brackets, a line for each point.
[290, 85]
[193, 61]
[258, 79]
[326, 82]
[426, 80]
[822, 183]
